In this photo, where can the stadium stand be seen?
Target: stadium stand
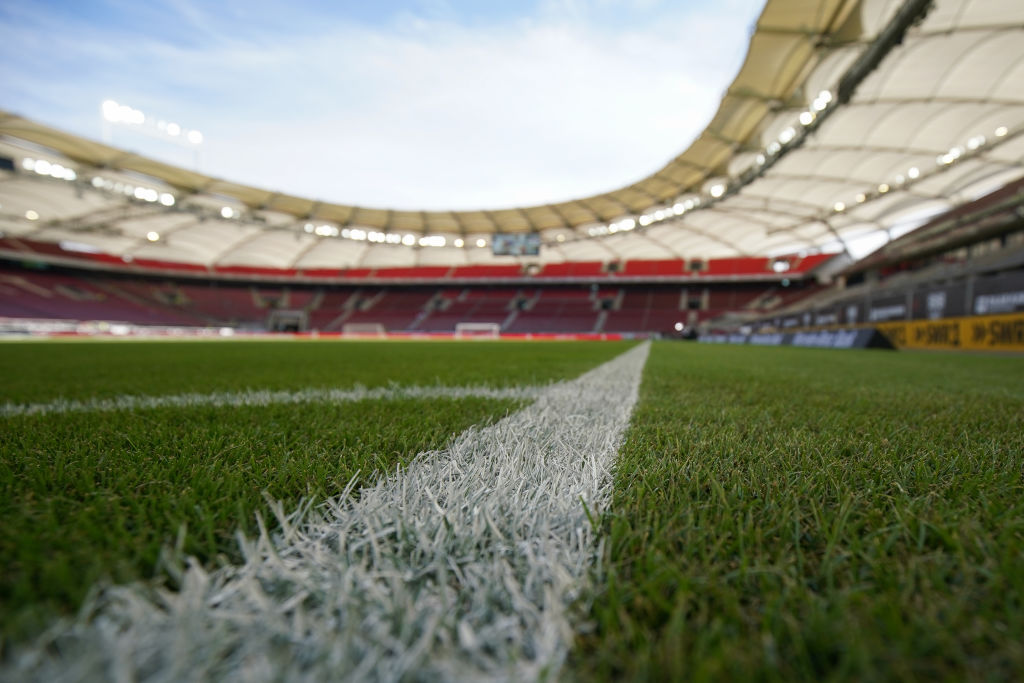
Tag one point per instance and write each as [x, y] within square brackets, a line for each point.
[487, 272]
[436, 306]
[573, 269]
[396, 309]
[966, 262]
[792, 168]
[476, 305]
[557, 310]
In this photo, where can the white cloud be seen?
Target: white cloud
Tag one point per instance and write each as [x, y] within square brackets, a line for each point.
[429, 113]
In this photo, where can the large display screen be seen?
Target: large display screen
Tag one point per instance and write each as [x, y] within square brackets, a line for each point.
[520, 244]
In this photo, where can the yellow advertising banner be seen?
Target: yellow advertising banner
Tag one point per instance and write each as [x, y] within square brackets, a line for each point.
[976, 333]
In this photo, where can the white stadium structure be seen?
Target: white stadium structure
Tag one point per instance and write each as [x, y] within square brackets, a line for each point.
[850, 124]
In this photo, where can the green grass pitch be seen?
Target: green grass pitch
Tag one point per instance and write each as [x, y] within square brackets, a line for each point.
[87, 497]
[789, 514]
[777, 514]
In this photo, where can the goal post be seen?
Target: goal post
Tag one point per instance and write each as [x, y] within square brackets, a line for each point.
[477, 330]
[363, 330]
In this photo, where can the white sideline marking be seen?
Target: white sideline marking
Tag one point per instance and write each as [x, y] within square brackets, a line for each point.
[465, 566]
[264, 397]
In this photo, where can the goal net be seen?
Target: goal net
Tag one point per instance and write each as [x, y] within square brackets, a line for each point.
[477, 330]
[363, 330]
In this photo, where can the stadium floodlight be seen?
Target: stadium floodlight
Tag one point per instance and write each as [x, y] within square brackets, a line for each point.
[806, 118]
[121, 114]
[459, 242]
[153, 236]
[913, 172]
[822, 101]
[839, 207]
[227, 212]
[51, 169]
[861, 198]
[773, 147]
[678, 327]
[787, 134]
[949, 157]
[717, 190]
[167, 199]
[32, 215]
[976, 142]
[1001, 131]
[481, 243]
[409, 240]
[883, 188]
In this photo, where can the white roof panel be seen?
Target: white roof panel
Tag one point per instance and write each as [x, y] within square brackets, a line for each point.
[938, 119]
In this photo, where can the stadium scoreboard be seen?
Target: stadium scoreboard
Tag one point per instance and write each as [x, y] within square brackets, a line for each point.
[524, 244]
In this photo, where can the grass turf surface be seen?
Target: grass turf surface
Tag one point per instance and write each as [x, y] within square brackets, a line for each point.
[790, 514]
[40, 371]
[95, 496]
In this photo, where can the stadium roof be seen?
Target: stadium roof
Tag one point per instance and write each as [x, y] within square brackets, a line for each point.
[849, 123]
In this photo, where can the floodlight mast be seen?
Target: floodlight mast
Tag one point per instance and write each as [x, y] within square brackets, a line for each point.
[113, 113]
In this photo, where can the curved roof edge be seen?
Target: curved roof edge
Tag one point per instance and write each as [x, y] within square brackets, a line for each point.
[789, 40]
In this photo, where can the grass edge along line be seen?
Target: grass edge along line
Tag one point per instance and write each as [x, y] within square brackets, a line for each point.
[90, 498]
[466, 564]
[814, 515]
[265, 397]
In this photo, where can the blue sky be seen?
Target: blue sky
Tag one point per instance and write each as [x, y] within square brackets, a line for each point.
[419, 104]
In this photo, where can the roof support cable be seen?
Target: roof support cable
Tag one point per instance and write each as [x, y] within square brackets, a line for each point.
[912, 12]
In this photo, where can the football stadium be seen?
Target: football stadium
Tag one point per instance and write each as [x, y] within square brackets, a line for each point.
[756, 415]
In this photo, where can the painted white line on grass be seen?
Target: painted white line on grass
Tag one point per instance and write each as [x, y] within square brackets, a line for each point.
[264, 397]
[468, 565]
